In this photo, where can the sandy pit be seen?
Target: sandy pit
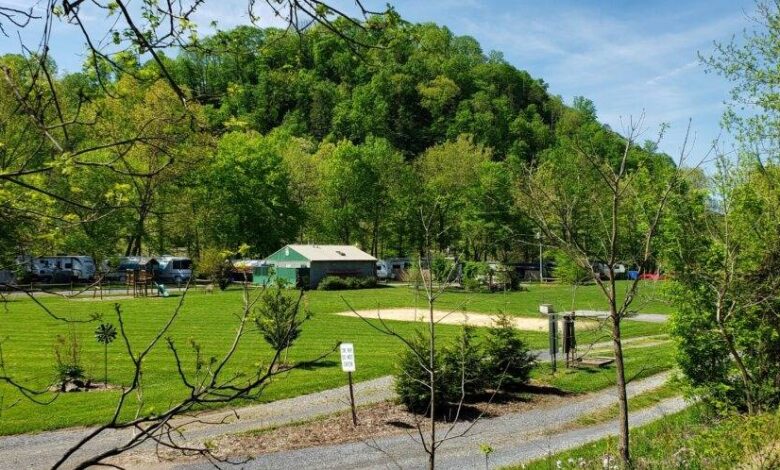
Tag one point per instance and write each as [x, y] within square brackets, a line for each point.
[457, 318]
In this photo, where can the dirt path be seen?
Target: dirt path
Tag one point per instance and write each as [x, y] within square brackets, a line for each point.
[457, 318]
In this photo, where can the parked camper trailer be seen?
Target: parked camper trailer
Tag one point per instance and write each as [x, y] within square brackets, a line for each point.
[392, 269]
[59, 268]
[79, 268]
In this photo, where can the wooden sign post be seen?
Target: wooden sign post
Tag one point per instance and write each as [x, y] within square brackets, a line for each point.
[348, 366]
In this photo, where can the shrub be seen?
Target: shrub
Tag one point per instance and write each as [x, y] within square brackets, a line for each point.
[343, 283]
[471, 285]
[215, 265]
[464, 368]
[475, 270]
[333, 283]
[508, 361]
[442, 269]
[463, 364]
[67, 354]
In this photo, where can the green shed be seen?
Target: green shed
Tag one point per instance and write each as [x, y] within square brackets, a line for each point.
[306, 265]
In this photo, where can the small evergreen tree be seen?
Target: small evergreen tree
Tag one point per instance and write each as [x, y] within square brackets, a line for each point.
[278, 318]
[412, 382]
[508, 361]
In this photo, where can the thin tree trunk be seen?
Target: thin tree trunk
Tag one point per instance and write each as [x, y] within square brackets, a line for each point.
[432, 366]
[620, 371]
[745, 375]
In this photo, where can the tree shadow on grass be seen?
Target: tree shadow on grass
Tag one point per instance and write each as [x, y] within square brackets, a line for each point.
[314, 365]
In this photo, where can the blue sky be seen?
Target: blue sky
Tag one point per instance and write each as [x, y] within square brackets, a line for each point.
[628, 57]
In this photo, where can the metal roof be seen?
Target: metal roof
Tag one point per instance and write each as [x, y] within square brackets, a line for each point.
[332, 253]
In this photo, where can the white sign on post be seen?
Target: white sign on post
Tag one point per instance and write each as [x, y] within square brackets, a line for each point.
[347, 357]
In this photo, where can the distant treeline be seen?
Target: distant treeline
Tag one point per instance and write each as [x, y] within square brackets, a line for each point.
[289, 137]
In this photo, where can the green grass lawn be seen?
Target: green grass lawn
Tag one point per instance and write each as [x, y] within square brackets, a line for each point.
[637, 402]
[525, 303]
[640, 362]
[28, 336]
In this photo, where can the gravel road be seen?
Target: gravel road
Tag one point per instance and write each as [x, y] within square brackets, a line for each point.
[514, 437]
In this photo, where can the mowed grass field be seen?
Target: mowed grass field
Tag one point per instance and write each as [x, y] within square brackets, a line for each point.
[27, 336]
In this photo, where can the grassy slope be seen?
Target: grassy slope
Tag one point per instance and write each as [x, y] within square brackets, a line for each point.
[28, 335]
[687, 439]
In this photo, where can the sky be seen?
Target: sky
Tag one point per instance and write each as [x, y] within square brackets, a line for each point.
[631, 58]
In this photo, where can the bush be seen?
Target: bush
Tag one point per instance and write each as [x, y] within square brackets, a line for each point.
[464, 368]
[442, 269]
[508, 361]
[464, 362]
[412, 378]
[344, 283]
[67, 354]
[278, 317]
[215, 265]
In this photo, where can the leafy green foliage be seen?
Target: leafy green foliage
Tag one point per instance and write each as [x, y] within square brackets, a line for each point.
[412, 379]
[215, 265]
[726, 288]
[507, 360]
[290, 138]
[568, 271]
[344, 283]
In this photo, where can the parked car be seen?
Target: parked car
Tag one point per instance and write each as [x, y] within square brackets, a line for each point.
[601, 268]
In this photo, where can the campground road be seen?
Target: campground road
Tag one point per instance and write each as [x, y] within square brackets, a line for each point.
[515, 438]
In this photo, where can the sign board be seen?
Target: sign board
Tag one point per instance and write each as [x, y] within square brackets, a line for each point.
[546, 309]
[347, 357]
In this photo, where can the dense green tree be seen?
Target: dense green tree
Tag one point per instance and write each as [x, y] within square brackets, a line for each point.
[243, 195]
[725, 261]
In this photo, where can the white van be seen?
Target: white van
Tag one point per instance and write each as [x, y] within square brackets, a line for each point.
[177, 269]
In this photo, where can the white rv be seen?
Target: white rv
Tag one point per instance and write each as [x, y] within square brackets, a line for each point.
[393, 268]
[80, 268]
[59, 268]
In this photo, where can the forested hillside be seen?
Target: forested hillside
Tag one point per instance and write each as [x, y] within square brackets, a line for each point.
[287, 137]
